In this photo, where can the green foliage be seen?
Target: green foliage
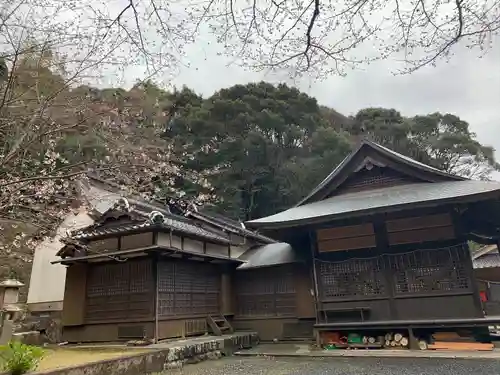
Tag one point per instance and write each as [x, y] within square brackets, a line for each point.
[18, 358]
[262, 147]
[474, 246]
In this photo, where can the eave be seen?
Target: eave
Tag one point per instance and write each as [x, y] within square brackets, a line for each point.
[381, 200]
[144, 227]
[161, 250]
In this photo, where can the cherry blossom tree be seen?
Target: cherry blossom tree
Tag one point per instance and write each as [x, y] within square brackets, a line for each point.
[314, 36]
[53, 131]
[51, 136]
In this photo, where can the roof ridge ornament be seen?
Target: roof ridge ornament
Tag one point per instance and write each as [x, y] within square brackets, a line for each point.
[122, 204]
[369, 163]
[156, 217]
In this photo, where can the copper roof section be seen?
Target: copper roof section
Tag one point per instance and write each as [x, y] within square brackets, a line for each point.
[487, 261]
[381, 200]
[428, 186]
[268, 255]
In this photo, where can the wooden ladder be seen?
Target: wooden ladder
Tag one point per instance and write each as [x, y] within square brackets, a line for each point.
[219, 325]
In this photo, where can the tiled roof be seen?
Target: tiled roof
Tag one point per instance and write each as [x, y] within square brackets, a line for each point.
[104, 194]
[378, 200]
[487, 261]
[170, 223]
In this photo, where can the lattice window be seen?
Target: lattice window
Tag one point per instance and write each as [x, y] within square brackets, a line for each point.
[119, 291]
[266, 292]
[430, 271]
[376, 177]
[353, 278]
[188, 288]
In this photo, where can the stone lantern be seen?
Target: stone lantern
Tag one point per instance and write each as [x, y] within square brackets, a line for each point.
[9, 292]
[9, 311]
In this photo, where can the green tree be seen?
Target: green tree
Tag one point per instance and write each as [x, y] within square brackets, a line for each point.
[441, 140]
[252, 143]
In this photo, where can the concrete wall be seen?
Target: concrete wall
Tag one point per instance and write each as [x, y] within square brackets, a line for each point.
[46, 288]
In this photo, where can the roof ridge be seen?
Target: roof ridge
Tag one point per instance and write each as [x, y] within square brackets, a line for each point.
[237, 229]
[409, 159]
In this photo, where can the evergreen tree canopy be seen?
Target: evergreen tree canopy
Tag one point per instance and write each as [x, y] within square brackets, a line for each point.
[253, 142]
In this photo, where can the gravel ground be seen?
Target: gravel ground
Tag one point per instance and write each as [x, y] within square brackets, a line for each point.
[341, 366]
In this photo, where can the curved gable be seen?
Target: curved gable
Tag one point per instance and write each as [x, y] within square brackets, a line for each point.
[371, 166]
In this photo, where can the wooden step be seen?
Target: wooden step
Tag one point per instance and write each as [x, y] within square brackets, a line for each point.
[219, 325]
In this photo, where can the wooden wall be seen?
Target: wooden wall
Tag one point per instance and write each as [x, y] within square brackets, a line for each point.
[395, 267]
[399, 231]
[105, 245]
[174, 241]
[136, 241]
[109, 301]
[115, 301]
[420, 229]
[277, 302]
[108, 332]
[349, 237]
[120, 291]
[188, 289]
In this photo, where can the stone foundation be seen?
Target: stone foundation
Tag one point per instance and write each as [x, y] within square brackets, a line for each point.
[165, 356]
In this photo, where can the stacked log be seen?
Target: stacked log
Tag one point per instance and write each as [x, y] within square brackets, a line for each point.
[396, 341]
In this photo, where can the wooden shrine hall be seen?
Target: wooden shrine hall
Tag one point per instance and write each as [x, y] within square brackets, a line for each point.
[386, 241]
[143, 271]
[381, 243]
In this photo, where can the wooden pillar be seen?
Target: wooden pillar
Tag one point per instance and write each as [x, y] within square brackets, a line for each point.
[75, 295]
[412, 340]
[304, 293]
[156, 298]
[478, 304]
[382, 240]
[226, 306]
[460, 234]
[313, 248]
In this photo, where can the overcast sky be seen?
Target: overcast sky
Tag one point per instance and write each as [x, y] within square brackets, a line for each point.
[468, 86]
